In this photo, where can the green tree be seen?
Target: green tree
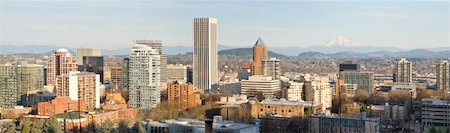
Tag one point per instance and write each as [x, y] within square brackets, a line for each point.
[107, 126]
[38, 126]
[25, 125]
[93, 127]
[137, 128]
[10, 127]
[53, 126]
[123, 127]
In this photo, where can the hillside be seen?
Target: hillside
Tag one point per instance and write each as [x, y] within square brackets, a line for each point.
[246, 52]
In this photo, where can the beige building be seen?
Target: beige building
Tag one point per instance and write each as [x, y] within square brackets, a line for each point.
[317, 88]
[260, 86]
[403, 71]
[443, 76]
[176, 73]
[61, 62]
[86, 52]
[272, 68]
[205, 74]
[80, 86]
[282, 107]
[294, 91]
[116, 77]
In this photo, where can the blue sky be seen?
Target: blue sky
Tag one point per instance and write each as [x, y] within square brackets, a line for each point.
[115, 24]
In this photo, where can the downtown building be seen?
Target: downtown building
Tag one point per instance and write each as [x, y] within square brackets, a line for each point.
[272, 67]
[84, 86]
[183, 94]
[8, 86]
[60, 63]
[157, 44]
[93, 64]
[205, 70]
[116, 77]
[443, 76]
[144, 77]
[403, 71]
[177, 73]
[259, 55]
[17, 79]
[125, 74]
[317, 88]
[260, 86]
[363, 80]
[328, 123]
[82, 52]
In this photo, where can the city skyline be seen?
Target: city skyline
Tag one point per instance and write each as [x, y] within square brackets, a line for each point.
[289, 24]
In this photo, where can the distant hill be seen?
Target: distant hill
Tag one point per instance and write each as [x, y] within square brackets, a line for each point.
[248, 52]
[416, 53]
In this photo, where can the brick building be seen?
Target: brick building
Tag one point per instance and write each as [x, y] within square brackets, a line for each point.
[60, 105]
[183, 94]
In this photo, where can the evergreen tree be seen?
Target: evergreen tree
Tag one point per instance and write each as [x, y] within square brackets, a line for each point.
[123, 127]
[137, 128]
[25, 125]
[53, 126]
[93, 127]
[38, 126]
[10, 127]
[107, 126]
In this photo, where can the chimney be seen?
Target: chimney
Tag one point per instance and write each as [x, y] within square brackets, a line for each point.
[208, 126]
[363, 115]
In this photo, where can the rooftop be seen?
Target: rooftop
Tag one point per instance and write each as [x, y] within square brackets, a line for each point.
[259, 42]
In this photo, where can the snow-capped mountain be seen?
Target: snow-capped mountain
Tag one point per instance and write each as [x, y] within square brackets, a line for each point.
[342, 41]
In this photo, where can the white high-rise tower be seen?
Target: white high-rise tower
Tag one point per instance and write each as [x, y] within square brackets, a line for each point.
[144, 77]
[205, 75]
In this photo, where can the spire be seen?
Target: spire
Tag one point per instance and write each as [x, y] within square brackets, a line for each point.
[259, 41]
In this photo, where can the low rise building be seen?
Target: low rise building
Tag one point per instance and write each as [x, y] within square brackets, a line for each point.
[60, 105]
[282, 107]
[260, 86]
[15, 112]
[32, 98]
[183, 125]
[327, 123]
[435, 112]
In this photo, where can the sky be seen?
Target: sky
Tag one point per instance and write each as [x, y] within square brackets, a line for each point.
[115, 24]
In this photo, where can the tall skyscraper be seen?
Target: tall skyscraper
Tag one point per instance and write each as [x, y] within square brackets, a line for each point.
[157, 44]
[443, 76]
[259, 54]
[272, 67]
[81, 52]
[61, 62]
[403, 71]
[205, 54]
[93, 64]
[144, 77]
